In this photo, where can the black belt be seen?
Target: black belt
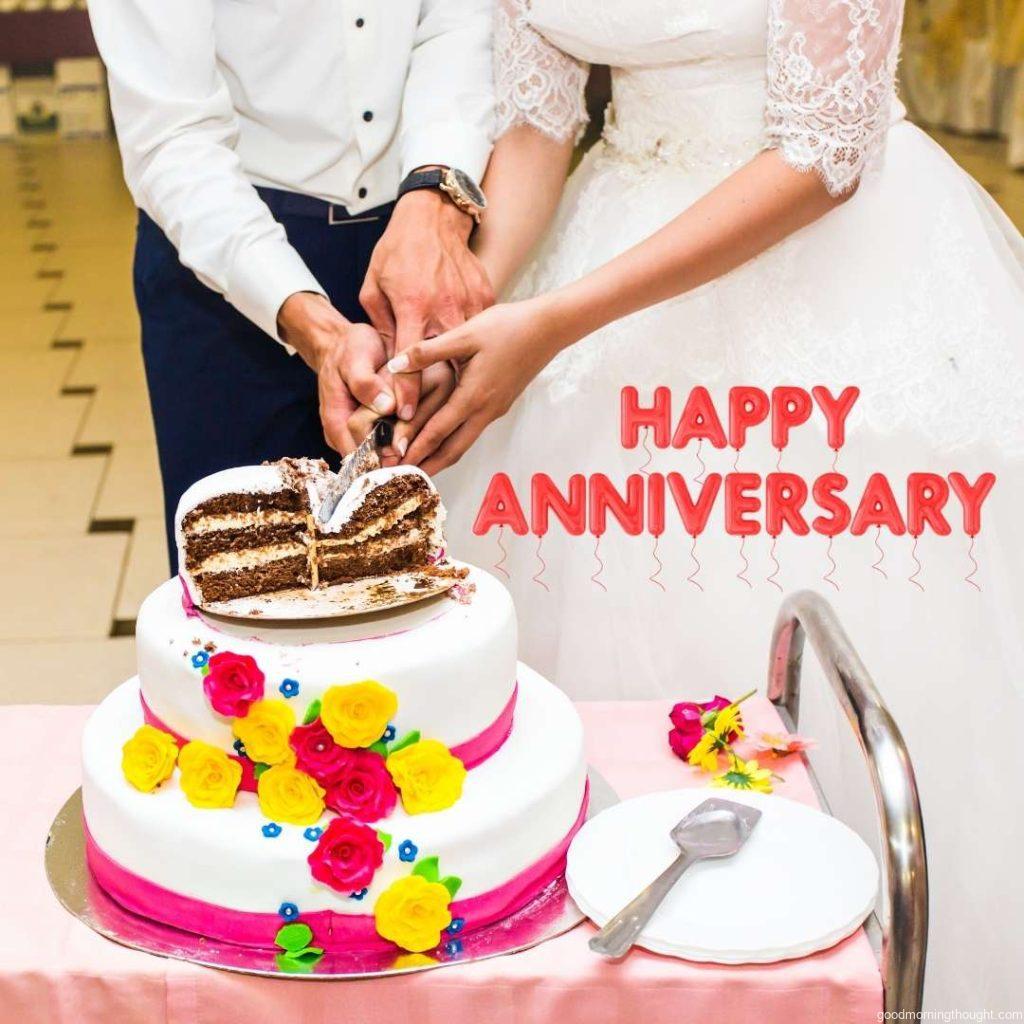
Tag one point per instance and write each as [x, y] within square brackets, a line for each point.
[295, 204]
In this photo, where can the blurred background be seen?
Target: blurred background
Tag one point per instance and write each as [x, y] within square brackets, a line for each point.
[81, 539]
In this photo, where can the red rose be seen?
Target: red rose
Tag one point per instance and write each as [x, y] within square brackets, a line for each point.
[233, 683]
[347, 856]
[689, 720]
[363, 789]
[317, 754]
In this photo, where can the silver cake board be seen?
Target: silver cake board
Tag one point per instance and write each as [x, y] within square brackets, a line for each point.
[549, 914]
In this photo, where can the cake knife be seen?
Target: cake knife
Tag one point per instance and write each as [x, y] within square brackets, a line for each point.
[365, 458]
[715, 828]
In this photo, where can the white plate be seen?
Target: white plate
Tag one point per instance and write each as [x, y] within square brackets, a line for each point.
[802, 882]
[361, 597]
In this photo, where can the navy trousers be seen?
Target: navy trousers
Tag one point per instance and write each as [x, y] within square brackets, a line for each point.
[223, 393]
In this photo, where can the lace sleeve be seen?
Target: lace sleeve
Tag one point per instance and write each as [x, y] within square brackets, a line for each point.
[831, 81]
[535, 82]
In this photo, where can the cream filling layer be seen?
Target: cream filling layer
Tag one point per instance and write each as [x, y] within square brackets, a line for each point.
[381, 525]
[244, 520]
[230, 561]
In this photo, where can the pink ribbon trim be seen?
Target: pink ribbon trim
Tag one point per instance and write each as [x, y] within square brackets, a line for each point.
[474, 751]
[332, 931]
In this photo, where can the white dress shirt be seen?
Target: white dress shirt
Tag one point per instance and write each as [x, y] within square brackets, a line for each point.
[338, 99]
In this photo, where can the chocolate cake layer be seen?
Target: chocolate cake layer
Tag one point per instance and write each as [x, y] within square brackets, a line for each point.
[229, 504]
[200, 546]
[282, 574]
[355, 564]
[382, 502]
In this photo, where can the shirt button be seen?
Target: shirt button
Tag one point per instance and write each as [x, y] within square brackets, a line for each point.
[362, 193]
[367, 115]
[360, 22]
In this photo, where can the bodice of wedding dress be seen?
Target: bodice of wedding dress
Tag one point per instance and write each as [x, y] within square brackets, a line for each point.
[703, 81]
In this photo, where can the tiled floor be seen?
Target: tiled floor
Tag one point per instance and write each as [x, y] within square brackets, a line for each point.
[81, 539]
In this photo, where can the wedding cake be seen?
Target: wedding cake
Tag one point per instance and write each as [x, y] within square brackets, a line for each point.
[385, 782]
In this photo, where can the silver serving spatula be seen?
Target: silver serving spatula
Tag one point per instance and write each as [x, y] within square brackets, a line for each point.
[715, 828]
[365, 458]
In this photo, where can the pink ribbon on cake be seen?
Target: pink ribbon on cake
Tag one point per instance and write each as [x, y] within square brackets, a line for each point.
[332, 931]
[472, 752]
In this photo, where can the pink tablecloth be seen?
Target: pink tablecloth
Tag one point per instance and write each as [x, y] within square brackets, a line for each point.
[53, 969]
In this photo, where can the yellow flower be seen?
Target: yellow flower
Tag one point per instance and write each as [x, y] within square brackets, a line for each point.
[413, 912]
[410, 960]
[729, 720]
[357, 715]
[705, 753]
[288, 795]
[209, 778]
[744, 775]
[148, 758]
[265, 730]
[427, 775]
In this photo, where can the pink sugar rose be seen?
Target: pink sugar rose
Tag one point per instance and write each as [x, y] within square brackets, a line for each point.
[364, 789]
[317, 754]
[688, 721]
[347, 855]
[233, 683]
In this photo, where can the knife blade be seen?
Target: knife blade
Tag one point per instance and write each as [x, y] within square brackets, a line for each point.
[364, 459]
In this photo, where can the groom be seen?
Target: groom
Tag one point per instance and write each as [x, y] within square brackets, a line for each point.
[299, 167]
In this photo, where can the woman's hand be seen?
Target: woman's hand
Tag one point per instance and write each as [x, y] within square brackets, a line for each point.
[437, 385]
[498, 352]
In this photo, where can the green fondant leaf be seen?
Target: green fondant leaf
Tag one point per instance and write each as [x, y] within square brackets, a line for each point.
[406, 741]
[427, 868]
[302, 965]
[452, 883]
[304, 954]
[294, 936]
[258, 769]
[385, 839]
[312, 713]
[380, 747]
[205, 670]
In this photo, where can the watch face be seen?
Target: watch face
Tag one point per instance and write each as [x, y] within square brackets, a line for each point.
[469, 187]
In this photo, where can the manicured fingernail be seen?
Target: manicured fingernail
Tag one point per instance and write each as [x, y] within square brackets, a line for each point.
[399, 364]
[406, 412]
[383, 403]
[402, 445]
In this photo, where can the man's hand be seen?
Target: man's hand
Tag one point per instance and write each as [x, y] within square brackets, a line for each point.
[345, 357]
[422, 280]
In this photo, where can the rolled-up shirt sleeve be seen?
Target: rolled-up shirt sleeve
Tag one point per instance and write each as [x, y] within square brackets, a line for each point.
[177, 130]
[448, 107]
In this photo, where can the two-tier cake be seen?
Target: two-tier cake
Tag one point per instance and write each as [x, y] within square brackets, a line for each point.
[389, 781]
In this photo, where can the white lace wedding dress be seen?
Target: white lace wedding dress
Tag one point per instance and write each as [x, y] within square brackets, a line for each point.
[913, 290]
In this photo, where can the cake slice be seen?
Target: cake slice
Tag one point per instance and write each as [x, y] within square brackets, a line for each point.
[253, 530]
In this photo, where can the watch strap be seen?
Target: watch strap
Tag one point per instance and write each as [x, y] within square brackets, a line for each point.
[421, 179]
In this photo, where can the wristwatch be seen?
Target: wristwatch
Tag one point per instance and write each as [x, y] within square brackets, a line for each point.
[460, 188]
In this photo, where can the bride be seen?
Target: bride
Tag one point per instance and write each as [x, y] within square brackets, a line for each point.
[757, 212]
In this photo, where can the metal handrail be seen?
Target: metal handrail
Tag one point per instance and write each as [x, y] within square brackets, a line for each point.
[905, 924]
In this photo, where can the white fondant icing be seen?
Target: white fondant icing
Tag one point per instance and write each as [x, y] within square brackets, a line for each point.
[514, 808]
[451, 665]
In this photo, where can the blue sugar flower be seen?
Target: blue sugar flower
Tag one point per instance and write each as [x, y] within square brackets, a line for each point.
[458, 923]
[313, 833]
[288, 911]
[200, 659]
[359, 895]
[389, 734]
[453, 947]
[271, 830]
[407, 851]
[289, 687]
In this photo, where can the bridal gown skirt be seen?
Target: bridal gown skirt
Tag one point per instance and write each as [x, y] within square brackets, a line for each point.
[913, 290]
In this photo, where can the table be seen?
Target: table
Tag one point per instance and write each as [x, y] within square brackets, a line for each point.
[53, 969]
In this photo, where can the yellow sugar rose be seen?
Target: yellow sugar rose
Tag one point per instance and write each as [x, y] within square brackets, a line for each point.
[265, 730]
[428, 776]
[357, 715]
[148, 758]
[289, 795]
[209, 778]
[412, 913]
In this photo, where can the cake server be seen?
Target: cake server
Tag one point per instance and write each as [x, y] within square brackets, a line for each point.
[713, 829]
[365, 458]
